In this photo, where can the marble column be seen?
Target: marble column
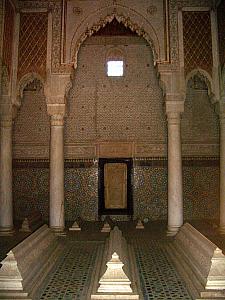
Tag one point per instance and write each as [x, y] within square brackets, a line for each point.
[6, 202]
[57, 221]
[222, 174]
[175, 187]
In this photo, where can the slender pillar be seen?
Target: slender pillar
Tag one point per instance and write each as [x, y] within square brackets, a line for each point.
[6, 203]
[57, 222]
[175, 188]
[222, 174]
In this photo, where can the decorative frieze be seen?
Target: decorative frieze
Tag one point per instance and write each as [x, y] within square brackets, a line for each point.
[30, 151]
[138, 151]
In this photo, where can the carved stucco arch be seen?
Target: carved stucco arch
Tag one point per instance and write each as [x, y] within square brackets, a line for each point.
[24, 81]
[204, 76]
[125, 15]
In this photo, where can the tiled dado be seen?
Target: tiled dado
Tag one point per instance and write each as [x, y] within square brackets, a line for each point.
[31, 188]
[149, 181]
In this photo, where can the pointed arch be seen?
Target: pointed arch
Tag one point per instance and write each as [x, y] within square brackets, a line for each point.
[26, 80]
[131, 19]
[204, 76]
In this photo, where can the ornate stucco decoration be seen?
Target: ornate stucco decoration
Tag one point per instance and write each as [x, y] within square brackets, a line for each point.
[204, 77]
[57, 67]
[173, 33]
[152, 10]
[33, 4]
[139, 22]
[77, 10]
[126, 20]
[195, 3]
[26, 80]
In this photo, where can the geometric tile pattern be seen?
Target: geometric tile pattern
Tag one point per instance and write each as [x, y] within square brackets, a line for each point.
[32, 43]
[105, 109]
[8, 35]
[150, 192]
[72, 277]
[81, 193]
[197, 41]
[159, 279]
[200, 191]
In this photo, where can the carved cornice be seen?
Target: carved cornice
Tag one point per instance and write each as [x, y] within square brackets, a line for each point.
[33, 5]
[194, 3]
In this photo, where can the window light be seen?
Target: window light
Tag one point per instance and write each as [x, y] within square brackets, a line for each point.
[115, 68]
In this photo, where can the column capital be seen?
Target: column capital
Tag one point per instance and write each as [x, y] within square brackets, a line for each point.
[175, 97]
[174, 110]
[6, 121]
[174, 106]
[173, 118]
[57, 120]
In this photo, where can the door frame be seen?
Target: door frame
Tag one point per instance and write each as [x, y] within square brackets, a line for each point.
[101, 195]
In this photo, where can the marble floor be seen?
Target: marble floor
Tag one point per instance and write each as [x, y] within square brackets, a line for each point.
[74, 270]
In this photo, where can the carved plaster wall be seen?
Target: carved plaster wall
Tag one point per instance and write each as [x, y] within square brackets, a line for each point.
[95, 129]
[144, 17]
[31, 132]
[105, 112]
[80, 20]
[200, 123]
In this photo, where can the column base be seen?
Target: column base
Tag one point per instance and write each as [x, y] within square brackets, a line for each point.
[221, 230]
[6, 231]
[58, 231]
[172, 230]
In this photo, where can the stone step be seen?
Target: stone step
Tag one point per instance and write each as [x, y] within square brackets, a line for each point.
[213, 294]
[14, 295]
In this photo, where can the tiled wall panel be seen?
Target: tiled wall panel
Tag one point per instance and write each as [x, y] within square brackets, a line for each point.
[201, 190]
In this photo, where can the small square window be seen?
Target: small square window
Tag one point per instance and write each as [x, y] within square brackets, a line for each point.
[115, 68]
